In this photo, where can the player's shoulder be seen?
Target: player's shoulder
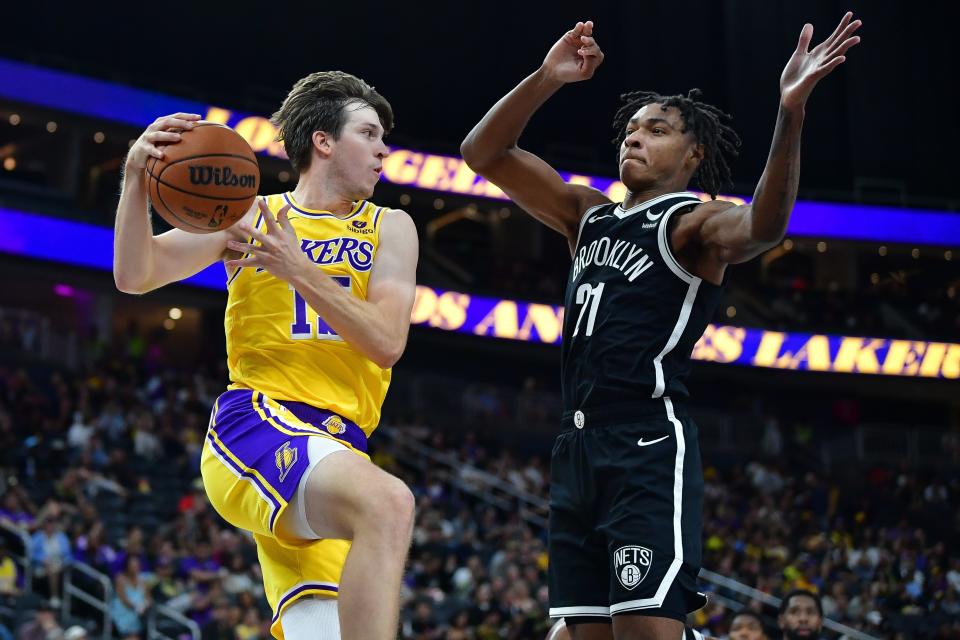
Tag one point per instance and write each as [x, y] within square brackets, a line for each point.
[588, 198]
[396, 222]
[589, 201]
[696, 213]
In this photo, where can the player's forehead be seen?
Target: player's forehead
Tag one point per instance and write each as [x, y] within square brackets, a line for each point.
[745, 622]
[801, 602]
[654, 112]
[360, 113]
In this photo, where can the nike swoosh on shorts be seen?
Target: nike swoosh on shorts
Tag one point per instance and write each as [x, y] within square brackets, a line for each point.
[641, 443]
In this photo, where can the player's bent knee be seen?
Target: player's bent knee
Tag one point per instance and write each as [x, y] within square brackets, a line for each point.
[391, 508]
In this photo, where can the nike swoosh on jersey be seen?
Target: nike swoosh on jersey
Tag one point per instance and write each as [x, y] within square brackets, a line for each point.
[641, 443]
[595, 218]
[654, 217]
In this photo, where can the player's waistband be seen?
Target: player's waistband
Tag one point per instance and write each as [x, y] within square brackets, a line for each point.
[333, 423]
[624, 413]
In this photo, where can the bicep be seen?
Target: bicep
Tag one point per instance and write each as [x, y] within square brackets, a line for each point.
[537, 188]
[728, 234]
[393, 281]
[178, 254]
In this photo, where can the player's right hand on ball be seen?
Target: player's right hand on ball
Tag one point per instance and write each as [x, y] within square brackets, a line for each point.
[156, 136]
[575, 56]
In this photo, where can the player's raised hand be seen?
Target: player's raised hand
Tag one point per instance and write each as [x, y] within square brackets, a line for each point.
[807, 66]
[163, 131]
[575, 56]
[277, 251]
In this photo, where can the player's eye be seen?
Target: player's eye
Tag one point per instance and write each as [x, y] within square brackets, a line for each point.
[658, 131]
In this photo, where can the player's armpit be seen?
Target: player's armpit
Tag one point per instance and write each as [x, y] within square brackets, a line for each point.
[537, 188]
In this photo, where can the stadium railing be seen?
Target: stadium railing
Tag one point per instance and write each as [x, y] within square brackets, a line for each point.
[468, 479]
[175, 618]
[72, 590]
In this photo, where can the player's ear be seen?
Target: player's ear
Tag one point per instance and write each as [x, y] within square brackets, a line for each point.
[695, 155]
[323, 143]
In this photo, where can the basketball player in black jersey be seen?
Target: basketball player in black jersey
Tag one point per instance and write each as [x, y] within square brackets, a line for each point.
[626, 480]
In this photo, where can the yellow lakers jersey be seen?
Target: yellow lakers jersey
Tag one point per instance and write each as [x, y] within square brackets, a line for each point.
[278, 345]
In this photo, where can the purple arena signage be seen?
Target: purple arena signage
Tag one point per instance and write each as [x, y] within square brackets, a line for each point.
[34, 236]
[447, 174]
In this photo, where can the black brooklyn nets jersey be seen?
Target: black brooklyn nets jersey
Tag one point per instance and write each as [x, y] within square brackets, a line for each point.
[633, 313]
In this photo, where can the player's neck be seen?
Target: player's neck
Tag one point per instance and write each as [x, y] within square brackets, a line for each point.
[633, 198]
[318, 197]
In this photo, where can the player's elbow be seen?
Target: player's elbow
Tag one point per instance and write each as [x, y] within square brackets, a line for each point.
[478, 156]
[470, 152]
[389, 354]
[125, 284]
[129, 283]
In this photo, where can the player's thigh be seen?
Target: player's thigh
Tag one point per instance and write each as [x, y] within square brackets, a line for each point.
[641, 627]
[346, 492]
[585, 629]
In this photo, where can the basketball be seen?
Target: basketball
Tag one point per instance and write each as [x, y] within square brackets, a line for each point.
[205, 182]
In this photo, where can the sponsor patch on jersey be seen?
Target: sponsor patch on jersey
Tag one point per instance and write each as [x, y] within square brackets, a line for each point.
[631, 564]
[359, 226]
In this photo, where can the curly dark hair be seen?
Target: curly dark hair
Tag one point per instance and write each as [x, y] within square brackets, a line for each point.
[316, 103]
[706, 122]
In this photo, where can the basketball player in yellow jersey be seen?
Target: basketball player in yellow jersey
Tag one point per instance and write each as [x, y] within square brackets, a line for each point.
[320, 287]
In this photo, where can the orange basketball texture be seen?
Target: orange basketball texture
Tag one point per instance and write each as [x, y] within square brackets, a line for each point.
[205, 182]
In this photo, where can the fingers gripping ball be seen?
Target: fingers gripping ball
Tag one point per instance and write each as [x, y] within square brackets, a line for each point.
[206, 181]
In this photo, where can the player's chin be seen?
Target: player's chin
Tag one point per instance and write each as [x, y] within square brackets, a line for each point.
[364, 191]
[635, 176]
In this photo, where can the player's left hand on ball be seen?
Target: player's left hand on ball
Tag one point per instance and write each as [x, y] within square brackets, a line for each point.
[277, 251]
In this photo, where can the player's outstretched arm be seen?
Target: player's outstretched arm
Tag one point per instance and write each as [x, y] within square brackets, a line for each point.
[738, 233]
[377, 326]
[141, 261]
[491, 148]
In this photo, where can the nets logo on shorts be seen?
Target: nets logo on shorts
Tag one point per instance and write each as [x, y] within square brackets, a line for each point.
[631, 564]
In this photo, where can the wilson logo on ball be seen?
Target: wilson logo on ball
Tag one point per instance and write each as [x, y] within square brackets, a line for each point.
[220, 176]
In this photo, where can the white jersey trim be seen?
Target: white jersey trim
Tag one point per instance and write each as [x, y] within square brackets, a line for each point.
[693, 285]
[664, 243]
[678, 329]
[583, 222]
[623, 213]
[559, 612]
[657, 600]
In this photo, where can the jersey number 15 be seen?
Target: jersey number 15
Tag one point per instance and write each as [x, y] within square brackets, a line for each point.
[302, 329]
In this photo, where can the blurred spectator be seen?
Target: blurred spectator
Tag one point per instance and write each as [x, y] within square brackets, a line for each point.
[50, 551]
[747, 625]
[801, 615]
[44, 625]
[76, 632]
[8, 571]
[131, 600]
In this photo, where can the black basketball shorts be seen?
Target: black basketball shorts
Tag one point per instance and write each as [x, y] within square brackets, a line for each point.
[626, 503]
